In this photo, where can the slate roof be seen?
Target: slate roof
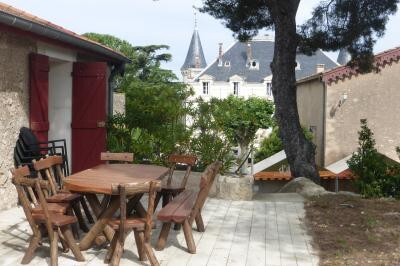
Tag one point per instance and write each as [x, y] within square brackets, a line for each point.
[262, 51]
[194, 50]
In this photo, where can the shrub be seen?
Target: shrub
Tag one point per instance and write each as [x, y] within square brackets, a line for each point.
[269, 146]
[208, 141]
[376, 175]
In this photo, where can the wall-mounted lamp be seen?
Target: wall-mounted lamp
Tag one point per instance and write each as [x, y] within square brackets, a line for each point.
[341, 101]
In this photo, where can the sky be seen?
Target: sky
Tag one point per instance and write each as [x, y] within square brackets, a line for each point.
[170, 22]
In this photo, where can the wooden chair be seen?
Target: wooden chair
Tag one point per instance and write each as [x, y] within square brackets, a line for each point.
[170, 189]
[57, 224]
[28, 148]
[186, 208]
[116, 157]
[140, 226]
[50, 168]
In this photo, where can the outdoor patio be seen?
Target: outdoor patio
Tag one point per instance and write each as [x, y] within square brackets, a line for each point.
[268, 231]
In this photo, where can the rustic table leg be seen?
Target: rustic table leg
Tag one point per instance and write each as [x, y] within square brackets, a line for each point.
[141, 211]
[100, 224]
[96, 207]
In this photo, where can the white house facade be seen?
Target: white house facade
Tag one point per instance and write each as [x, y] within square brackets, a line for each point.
[243, 69]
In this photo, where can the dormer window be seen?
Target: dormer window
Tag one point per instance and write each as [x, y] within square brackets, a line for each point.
[253, 64]
[227, 63]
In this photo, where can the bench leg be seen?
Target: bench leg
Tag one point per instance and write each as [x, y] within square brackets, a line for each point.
[162, 239]
[199, 222]
[187, 230]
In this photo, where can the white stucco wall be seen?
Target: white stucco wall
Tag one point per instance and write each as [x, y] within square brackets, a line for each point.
[60, 102]
[222, 90]
[60, 92]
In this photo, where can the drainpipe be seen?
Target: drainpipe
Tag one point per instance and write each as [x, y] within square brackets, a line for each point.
[324, 88]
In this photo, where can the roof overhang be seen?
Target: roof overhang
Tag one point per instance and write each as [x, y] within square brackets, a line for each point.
[59, 34]
[316, 76]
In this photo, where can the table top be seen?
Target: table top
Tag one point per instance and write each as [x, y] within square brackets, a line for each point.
[100, 178]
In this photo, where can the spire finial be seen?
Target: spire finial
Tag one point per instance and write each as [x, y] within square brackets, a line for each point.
[195, 17]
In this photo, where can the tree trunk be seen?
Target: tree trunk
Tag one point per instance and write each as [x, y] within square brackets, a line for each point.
[299, 151]
[244, 150]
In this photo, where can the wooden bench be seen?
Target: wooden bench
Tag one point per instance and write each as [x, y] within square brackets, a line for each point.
[185, 208]
[286, 176]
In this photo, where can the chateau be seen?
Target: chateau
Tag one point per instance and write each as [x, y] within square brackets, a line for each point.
[243, 69]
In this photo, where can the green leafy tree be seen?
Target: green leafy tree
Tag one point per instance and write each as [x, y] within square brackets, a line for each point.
[273, 144]
[144, 58]
[240, 119]
[334, 24]
[209, 142]
[269, 146]
[153, 124]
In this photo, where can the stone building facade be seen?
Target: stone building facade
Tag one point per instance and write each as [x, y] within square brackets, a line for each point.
[332, 103]
[14, 100]
[69, 60]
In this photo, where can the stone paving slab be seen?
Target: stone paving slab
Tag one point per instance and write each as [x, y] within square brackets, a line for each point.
[260, 232]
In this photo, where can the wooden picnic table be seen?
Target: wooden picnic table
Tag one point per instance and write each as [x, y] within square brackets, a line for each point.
[99, 180]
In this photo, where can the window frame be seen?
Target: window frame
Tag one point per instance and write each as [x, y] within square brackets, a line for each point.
[236, 88]
[269, 88]
[206, 87]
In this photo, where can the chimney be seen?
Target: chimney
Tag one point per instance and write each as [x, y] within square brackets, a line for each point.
[249, 52]
[319, 68]
[220, 54]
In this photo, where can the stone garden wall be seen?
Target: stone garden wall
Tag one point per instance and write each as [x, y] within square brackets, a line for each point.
[14, 77]
[119, 103]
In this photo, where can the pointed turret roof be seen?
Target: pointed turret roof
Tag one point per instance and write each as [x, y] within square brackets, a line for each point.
[195, 56]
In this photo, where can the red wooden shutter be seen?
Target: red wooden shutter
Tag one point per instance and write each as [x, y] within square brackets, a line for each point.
[39, 95]
[88, 114]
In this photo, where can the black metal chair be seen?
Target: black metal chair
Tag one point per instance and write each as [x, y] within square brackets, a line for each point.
[28, 148]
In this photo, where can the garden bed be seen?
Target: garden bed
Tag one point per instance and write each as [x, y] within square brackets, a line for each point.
[349, 230]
